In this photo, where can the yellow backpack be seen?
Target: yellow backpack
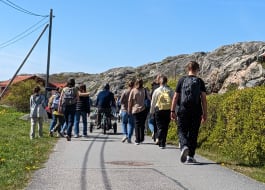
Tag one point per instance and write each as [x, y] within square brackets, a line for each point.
[164, 100]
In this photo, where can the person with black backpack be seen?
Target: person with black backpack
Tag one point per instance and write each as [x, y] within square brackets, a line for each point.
[190, 96]
[67, 105]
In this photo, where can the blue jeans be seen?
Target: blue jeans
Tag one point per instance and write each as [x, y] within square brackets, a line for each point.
[127, 119]
[79, 114]
[64, 128]
[53, 122]
[69, 115]
[151, 124]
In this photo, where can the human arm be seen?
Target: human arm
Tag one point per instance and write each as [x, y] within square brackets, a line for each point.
[130, 102]
[204, 106]
[173, 106]
[50, 101]
[60, 102]
[83, 94]
[153, 101]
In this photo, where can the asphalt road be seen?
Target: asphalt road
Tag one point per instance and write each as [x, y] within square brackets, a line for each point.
[103, 162]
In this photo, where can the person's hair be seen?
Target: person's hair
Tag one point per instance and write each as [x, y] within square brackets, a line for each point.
[70, 82]
[36, 89]
[163, 79]
[139, 83]
[106, 87]
[158, 77]
[59, 89]
[193, 66]
[82, 88]
[130, 83]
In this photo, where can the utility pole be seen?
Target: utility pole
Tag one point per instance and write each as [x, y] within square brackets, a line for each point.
[49, 55]
[24, 61]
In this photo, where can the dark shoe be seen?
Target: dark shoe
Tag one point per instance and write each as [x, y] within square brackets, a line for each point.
[99, 127]
[184, 153]
[51, 133]
[68, 138]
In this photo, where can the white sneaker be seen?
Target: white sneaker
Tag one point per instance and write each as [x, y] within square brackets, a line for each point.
[190, 160]
[124, 139]
[184, 154]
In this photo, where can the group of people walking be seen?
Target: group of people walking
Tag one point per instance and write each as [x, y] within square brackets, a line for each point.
[187, 106]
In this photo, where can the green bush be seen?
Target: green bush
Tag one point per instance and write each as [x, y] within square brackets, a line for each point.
[236, 126]
[18, 95]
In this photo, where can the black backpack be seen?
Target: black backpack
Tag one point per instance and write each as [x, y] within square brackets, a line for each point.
[190, 92]
[69, 97]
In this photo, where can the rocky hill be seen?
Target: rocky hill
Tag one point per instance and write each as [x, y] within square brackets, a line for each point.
[230, 66]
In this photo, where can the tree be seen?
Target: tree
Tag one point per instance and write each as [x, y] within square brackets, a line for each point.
[18, 95]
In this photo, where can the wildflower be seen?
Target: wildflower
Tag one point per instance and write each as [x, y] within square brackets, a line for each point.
[27, 168]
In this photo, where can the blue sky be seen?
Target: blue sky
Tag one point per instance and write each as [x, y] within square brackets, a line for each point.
[93, 36]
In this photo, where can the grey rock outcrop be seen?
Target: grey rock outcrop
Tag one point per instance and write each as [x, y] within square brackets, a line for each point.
[229, 66]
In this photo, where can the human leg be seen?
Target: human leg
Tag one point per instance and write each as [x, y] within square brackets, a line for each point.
[71, 117]
[40, 126]
[193, 135]
[137, 128]
[84, 119]
[53, 123]
[99, 118]
[124, 123]
[33, 122]
[164, 119]
[184, 122]
[131, 125]
[76, 123]
[183, 126]
[143, 115]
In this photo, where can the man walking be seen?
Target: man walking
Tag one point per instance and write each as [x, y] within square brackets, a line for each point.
[190, 96]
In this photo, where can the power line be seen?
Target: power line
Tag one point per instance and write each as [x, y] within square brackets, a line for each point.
[23, 34]
[18, 8]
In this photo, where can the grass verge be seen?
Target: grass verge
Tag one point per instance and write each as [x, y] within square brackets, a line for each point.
[257, 173]
[20, 156]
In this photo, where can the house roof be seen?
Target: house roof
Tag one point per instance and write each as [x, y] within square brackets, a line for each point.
[58, 84]
[18, 78]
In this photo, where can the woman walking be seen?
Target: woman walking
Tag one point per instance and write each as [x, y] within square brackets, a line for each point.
[136, 107]
[126, 117]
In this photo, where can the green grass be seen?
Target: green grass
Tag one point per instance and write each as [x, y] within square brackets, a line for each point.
[20, 156]
[257, 173]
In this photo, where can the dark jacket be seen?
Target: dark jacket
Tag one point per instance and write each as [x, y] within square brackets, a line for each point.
[105, 99]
